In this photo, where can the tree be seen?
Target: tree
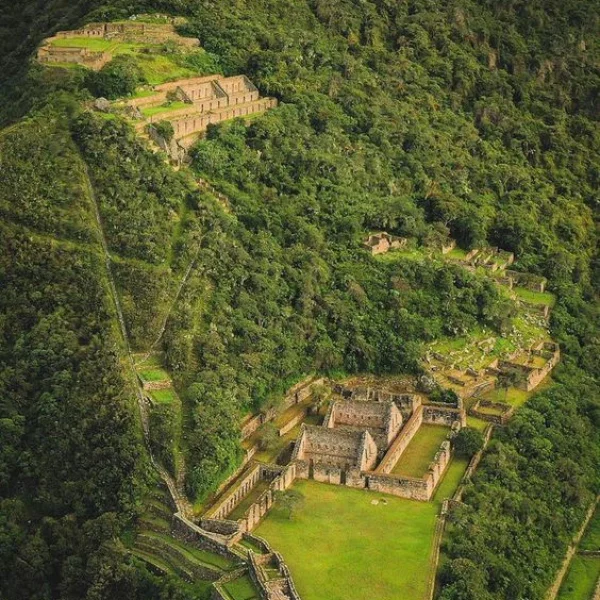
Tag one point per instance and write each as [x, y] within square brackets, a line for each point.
[290, 501]
[268, 436]
[467, 442]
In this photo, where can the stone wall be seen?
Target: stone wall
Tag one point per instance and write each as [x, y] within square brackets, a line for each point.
[234, 496]
[251, 425]
[330, 446]
[282, 479]
[505, 411]
[532, 282]
[411, 487]
[194, 535]
[292, 423]
[401, 442]
[442, 414]
[383, 418]
[533, 376]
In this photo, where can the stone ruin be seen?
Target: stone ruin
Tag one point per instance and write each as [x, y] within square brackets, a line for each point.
[361, 441]
[208, 100]
[127, 32]
[379, 243]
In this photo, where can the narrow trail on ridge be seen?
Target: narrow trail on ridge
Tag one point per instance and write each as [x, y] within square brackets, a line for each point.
[181, 502]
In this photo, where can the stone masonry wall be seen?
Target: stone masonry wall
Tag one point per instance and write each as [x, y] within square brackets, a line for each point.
[401, 442]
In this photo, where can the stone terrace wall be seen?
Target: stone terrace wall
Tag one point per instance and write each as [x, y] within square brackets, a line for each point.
[401, 442]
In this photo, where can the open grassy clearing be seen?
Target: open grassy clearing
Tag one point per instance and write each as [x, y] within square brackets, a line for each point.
[166, 396]
[339, 546]
[476, 423]
[537, 298]
[420, 451]
[581, 578]
[163, 108]
[591, 538]
[154, 375]
[241, 588]
[512, 396]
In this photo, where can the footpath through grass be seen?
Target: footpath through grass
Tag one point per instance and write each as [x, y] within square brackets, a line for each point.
[340, 546]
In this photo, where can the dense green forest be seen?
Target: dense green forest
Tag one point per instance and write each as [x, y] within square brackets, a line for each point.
[473, 118]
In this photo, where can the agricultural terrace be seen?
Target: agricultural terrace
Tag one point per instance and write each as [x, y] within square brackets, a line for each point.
[158, 62]
[350, 544]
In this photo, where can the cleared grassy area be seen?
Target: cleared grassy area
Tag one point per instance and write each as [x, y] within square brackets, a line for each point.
[241, 588]
[512, 396]
[591, 538]
[581, 578]
[163, 108]
[476, 423]
[339, 546]
[456, 254]
[537, 298]
[95, 44]
[207, 558]
[420, 451]
[244, 505]
[166, 396]
[154, 375]
[454, 473]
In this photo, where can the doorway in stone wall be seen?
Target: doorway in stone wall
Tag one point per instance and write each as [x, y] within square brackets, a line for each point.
[343, 477]
[311, 469]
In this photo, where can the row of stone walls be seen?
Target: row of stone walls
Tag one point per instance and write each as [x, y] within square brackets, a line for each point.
[505, 411]
[283, 478]
[367, 453]
[231, 499]
[189, 532]
[250, 426]
[401, 442]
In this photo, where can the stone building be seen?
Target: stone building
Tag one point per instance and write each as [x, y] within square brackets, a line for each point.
[379, 243]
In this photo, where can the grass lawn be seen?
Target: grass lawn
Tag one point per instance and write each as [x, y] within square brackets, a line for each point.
[591, 538]
[537, 298]
[513, 396]
[420, 451]
[581, 578]
[241, 588]
[476, 423]
[339, 546]
[163, 108]
[166, 396]
[454, 473]
[154, 375]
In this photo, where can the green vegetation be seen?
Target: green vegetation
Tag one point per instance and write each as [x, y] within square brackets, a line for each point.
[421, 450]
[539, 298]
[341, 527]
[241, 588]
[470, 118]
[581, 578]
[591, 538]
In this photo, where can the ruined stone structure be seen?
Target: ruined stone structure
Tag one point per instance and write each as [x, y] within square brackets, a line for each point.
[383, 420]
[493, 412]
[532, 374]
[129, 32]
[327, 454]
[535, 283]
[279, 479]
[357, 433]
[379, 243]
[209, 99]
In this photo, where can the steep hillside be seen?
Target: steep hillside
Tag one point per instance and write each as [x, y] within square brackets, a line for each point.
[470, 119]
